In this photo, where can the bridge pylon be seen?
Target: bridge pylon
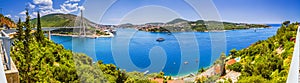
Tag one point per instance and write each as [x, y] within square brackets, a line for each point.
[82, 31]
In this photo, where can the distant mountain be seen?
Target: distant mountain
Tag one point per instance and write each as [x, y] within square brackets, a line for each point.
[126, 25]
[177, 20]
[60, 20]
[155, 23]
[7, 22]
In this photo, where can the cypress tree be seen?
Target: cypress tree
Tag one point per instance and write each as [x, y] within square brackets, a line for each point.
[27, 34]
[222, 58]
[20, 30]
[39, 33]
[26, 50]
[28, 28]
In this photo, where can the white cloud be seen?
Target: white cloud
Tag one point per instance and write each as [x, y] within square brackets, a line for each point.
[74, 0]
[46, 7]
[70, 5]
[23, 12]
[31, 6]
[81, 8]
[43, 2]
[8, 15]
[33, 15]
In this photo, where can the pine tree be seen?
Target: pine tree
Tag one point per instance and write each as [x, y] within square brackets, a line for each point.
[39, 33]
[26, 50]
[20, 30]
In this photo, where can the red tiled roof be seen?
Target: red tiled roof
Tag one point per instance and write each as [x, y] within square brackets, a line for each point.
[158, 80]
[217, 69]
[175, 81]
[230, 62]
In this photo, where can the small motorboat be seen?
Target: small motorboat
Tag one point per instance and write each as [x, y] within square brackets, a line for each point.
[186, 62]
[169, 33]
[146, 72]
[160, 39]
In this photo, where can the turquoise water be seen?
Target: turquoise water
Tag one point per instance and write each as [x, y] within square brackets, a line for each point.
[134, 50]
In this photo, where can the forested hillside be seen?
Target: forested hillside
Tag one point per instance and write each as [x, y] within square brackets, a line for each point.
[59, 20]
[267, 60]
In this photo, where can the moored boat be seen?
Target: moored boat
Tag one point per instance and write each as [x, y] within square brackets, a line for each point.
[160, 39]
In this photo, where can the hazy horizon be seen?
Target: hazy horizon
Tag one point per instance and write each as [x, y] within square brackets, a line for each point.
[143, 11]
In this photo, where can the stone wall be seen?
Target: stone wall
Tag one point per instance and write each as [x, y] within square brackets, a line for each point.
[12, 76]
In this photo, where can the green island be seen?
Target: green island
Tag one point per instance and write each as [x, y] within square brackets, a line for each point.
[181, 25]
[41, 60]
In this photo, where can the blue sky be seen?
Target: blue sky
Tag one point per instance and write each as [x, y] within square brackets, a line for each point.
[136, 11]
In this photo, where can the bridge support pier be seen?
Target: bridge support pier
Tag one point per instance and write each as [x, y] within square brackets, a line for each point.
[49, 35]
